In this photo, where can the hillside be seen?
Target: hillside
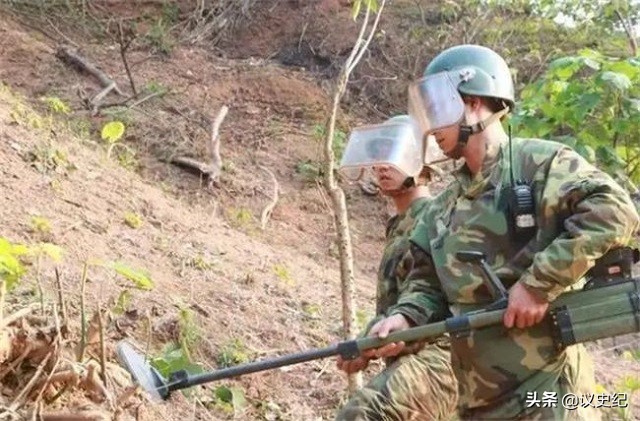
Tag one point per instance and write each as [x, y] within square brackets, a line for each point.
[229, 289]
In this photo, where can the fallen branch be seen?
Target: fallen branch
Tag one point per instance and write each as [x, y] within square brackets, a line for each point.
[15, 363]
[17, 402]
[73, 59]
[96, 100]
[18, 315]
[266, 213]
[214, 168]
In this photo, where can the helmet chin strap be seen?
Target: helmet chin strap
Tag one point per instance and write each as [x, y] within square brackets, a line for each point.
[467, 130]
[408, 183]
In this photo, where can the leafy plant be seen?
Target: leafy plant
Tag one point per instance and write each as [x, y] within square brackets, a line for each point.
[229, 399]
[133, 220]
[232, 353]
[240, 218]
[112, 131]
[159, 37]
[200, 262]
[189, 332]
[282, 272]
[46, 158]
[309, 170]
[40, 225]
[11, 267]
[591, 102]
[630, 383]
[155, 87]
[173, 358]
[357, 6]
[339, 141]
[56, 105]
[123, 303]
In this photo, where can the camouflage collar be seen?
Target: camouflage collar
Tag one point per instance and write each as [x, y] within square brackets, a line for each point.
[488, 174]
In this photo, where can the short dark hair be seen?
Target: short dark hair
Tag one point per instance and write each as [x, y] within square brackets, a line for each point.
[494, 104]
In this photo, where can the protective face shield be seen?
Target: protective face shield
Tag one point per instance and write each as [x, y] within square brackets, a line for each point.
[434, 101]
[392, 144]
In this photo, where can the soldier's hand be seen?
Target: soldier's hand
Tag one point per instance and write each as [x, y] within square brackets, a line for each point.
[525, 309]
[355, 365]
[383, 328]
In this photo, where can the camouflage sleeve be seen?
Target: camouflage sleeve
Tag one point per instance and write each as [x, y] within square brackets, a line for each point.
[591, 213]
[421, 299]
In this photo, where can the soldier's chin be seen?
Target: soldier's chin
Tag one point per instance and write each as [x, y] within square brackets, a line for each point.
[388, 185]
[454, 153]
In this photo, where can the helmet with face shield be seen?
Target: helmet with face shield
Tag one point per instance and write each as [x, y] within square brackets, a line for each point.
[392, 143]
[436, 100]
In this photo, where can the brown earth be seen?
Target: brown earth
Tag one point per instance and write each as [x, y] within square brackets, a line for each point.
[272, 291]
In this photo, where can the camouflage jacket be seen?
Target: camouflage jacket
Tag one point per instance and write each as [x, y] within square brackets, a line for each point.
[394, 265]
[580, 213]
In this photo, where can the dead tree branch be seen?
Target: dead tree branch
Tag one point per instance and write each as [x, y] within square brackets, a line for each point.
[266, 213]
[214, 168]
[216, 160]
[633, 43]
[125, 40]
[73, 59]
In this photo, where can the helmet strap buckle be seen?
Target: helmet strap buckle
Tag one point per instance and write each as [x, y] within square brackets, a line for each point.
[468, 130]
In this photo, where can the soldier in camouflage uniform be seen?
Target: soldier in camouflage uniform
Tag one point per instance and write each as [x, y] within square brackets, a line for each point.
[415, 386]
[579, 213]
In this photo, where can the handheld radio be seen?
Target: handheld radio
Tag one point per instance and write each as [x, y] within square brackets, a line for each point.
[522, 218]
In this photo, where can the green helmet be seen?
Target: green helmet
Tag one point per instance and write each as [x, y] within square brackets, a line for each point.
[489, 75]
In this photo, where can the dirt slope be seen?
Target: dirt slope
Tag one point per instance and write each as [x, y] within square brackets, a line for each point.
[273, 297]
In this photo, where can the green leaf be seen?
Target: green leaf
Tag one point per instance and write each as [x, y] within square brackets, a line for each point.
[627, 67]
[231, 395]
[355, 8]
[617, 80]
[56, 105]
[172, 359]
[11, 269]
[238, 400]
[224, 394]
[140, 278]
[51, 250]
[565, 67]
[124, 300]
[112, 131]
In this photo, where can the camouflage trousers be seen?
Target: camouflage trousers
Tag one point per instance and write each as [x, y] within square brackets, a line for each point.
[419, 386]
[577, 379]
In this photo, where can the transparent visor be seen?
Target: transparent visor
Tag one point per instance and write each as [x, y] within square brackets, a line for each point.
[391, 144]
[434, 103]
